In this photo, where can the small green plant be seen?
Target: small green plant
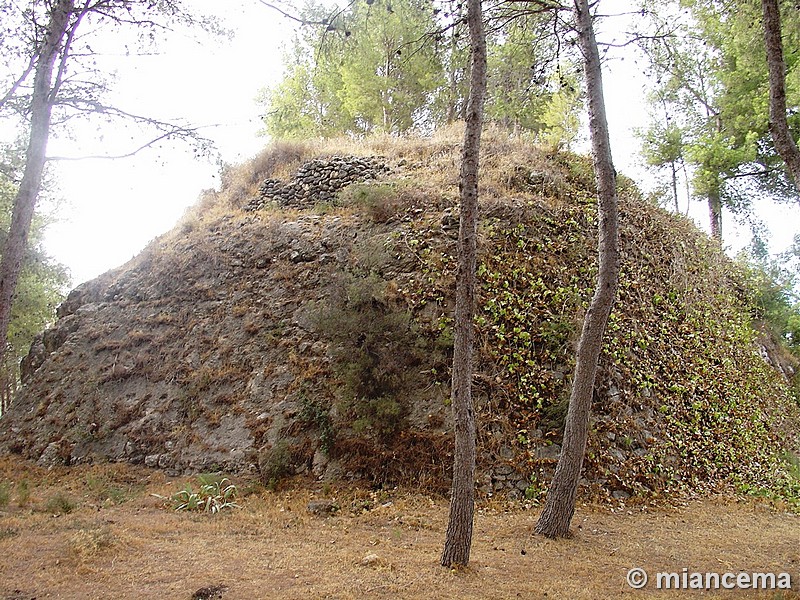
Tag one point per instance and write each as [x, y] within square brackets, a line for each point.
[23, 493]
[535, 490]
[379, 201]
[213, 496]
[382, 358]
[5, 495]
[60, 504]
[104, 490]
[274, 463]
[315, 412]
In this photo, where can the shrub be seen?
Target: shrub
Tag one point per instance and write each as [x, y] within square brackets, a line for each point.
[60, 504]
[106, 490]
[273, 463]
[316, 413]
[87, 543]
[213, 496]
[379, 201]
[377, 356]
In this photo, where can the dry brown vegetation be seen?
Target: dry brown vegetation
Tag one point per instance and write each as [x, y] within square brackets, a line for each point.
[98, 532]
[436, 156]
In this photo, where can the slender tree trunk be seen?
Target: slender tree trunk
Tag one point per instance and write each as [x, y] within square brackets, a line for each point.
[715, 215]
[688, 187]
[778, 125]
[458, 539]
[560, 505]
[25, 201]
[675, 186]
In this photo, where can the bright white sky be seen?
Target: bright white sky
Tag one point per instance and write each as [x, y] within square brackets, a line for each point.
[114, 208]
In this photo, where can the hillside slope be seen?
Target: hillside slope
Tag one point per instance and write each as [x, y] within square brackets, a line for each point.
[303, 325]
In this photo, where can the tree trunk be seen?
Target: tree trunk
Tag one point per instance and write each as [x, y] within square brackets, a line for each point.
[675, 186]
[715, 215]
[25, 201]
[458, 539]
[778, 125]
[560, 505]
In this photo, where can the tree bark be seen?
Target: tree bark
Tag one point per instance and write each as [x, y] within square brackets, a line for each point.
[715, 215]
[458, 538]
[778, 124]
[675, 186]
[25, 201]
[560, 505]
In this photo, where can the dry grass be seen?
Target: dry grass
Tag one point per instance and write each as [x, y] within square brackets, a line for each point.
[379, 545]
[438, 155]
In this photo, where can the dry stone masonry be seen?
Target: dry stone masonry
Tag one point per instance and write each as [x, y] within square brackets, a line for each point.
[318, 181]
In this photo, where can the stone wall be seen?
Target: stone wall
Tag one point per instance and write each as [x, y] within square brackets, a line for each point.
[318, 181]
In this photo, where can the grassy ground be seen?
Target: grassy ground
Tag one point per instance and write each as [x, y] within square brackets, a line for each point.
[98, 532]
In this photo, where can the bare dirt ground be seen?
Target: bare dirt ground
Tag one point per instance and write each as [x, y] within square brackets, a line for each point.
[113, 539]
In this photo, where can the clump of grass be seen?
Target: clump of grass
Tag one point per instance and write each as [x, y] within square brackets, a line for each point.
[5, 495]
[23, 493]
[60, 504]
[87, 543]
[107, 491]
[274, 463]
[240, 182]
[214, 495]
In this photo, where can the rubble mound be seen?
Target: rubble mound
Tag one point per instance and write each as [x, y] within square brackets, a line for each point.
[317, 181]
[315, 338]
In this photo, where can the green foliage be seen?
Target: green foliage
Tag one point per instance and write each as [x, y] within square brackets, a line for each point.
[317, 413]
[108, 491]
[369, 71]
[391, 74]
[23, 493]
[682, 391]
[535, 490]
[371, 362]
[772, 295]
[379, 353]
[274, 463]
[396, 67]
[663, 144]
[40, 287]
[5, 494]
[523, 91]
[379, 201]
[60, 504]
[214, 495]
[712, 94]
[527, 303]
[688, 352]
[560, 115]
